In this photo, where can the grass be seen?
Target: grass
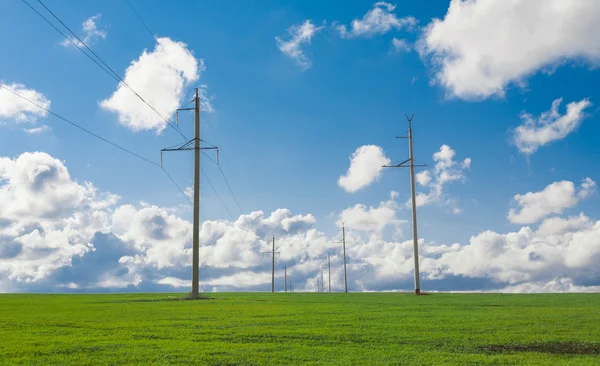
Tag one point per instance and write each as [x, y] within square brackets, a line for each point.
[300, 328]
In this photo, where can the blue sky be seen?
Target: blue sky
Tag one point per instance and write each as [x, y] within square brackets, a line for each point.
[287, 131]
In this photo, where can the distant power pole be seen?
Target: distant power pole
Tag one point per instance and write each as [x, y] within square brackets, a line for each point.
[285, 279]
[291, 286]
[411, 164]
[273, 265]
[196, 220]
[329, 265]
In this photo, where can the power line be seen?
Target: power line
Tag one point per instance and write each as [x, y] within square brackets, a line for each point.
[141, 20]
[68, 39]
[176, 185]
[230, 190]
[106, 68]
[219, 197]
[223, 173]
[78, 126]
[95, 135]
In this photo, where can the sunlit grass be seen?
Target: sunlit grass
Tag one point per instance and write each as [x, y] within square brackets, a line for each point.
[297, 328]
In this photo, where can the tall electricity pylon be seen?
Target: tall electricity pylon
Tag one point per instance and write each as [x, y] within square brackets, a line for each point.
[411, 164]
[195, 142]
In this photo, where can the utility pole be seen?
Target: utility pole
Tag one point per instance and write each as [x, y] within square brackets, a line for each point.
[411, 164]
[329, 265]
[196, 231]
[195, 142]
[285, 279]
[272, 265]
[291, 286]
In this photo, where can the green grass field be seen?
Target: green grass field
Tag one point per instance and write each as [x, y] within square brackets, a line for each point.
[300, 328]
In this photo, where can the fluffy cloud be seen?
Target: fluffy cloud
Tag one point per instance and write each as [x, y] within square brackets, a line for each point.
[300, 34]
[379, 20]
[446, 170]
[400, 45]
[46, 218]
[365, 167]
[482, 47]
[550, 126]
[554, 199]
[18, 109]
[59, 235]
[91, 33]
[361, 217]
[559, 248]
[159, 77]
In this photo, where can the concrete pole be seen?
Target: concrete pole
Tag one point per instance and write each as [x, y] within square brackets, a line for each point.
[285, 279]
[344, 243]
[273, 268]
[414, 212]
[196, 230]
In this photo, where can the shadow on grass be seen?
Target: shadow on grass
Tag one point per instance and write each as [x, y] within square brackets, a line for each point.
[562, 348]
[167, 299]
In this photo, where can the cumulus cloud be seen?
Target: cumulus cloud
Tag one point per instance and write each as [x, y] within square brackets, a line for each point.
[60, 235]
[550, 126]
[300, 34]
[379, 20]
[446, 171]
[482, 47]
[46, 218]
[365, 167]
[91, 33]
[560, 247]
[159, 77]
[18, 109]
[554, 199]
[558, 285]
[361, 217]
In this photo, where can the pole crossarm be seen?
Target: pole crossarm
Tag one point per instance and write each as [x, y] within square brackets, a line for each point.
[190, 145]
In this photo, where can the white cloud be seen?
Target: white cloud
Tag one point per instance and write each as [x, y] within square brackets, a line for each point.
[37, 130]
[91, 33]
[446, 170]
[300, 34]
[527, 257]
[206, 105]
[379, 20]
[550, 126]
[482, 47]
[361, 217]
[400, 45]
[554, 199]
[19, 109]
[558, 285]
[365, 167]
[46, 219]
[159, 77]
